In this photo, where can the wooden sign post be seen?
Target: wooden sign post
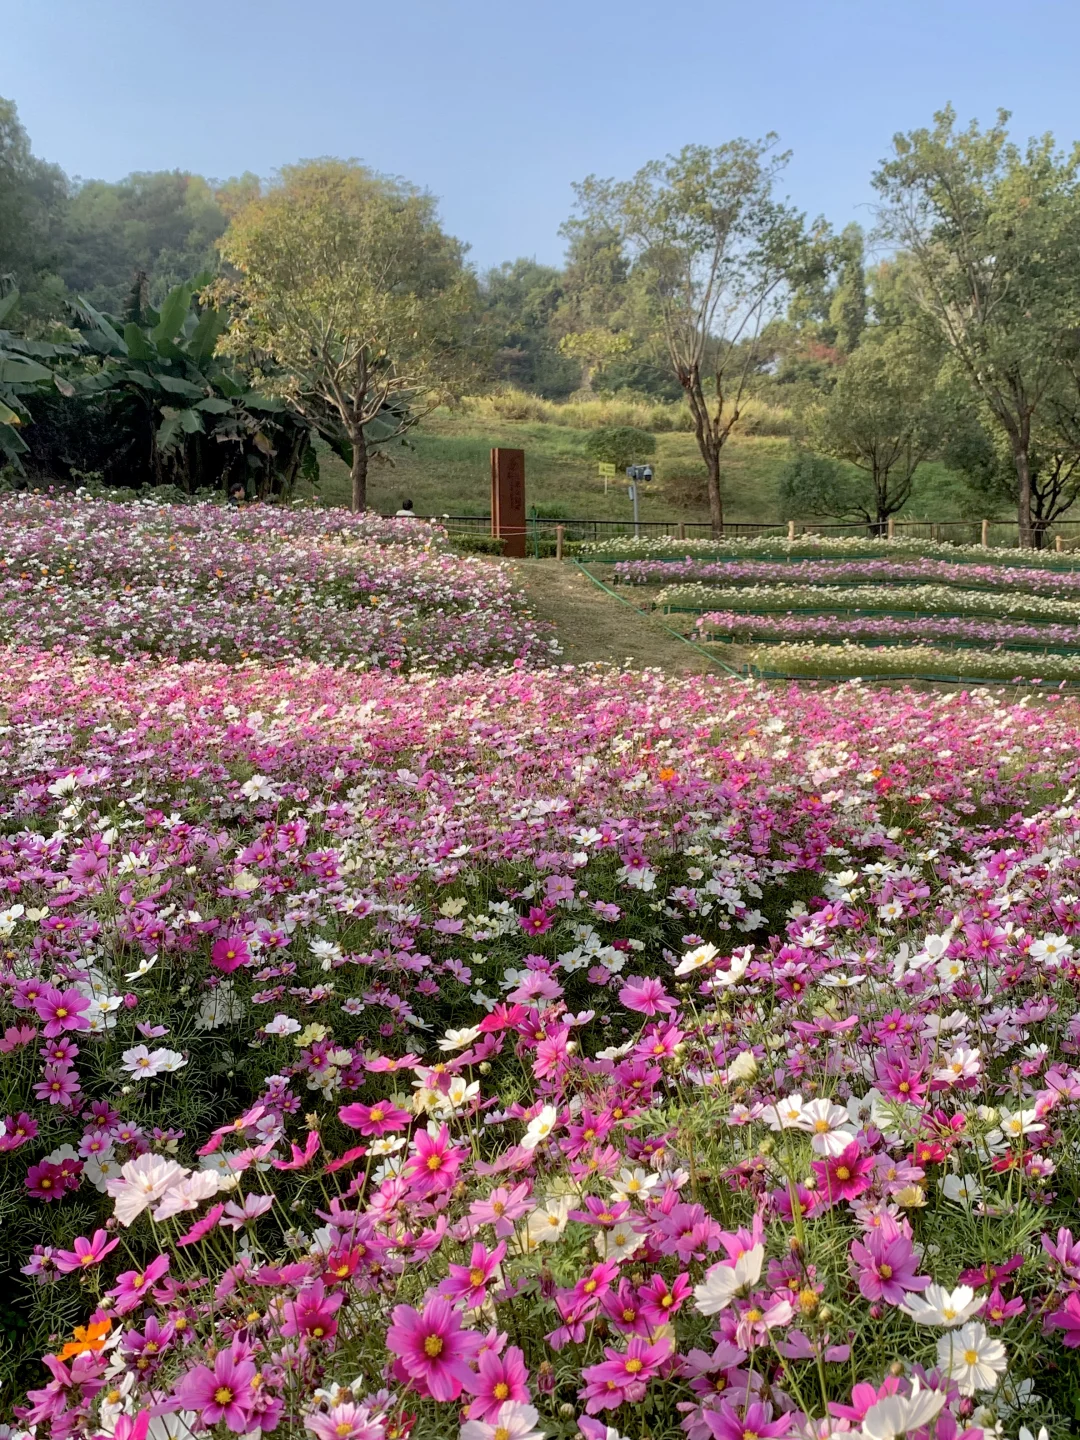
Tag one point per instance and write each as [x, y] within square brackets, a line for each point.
[508, 500]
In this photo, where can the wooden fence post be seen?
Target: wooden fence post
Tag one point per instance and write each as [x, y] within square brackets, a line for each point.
[892, 527]
[986, 534]
[791, 529]
[1059, 543]
[560, 531]
[682, 529]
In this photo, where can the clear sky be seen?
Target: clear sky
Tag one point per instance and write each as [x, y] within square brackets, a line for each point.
[498, 105]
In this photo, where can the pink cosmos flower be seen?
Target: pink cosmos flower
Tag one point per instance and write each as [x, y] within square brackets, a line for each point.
[86, 1254]
[537, 922]
[229, 953]
[500, 1378]
[347, 1421]
[659, 1301]
[646, 996]
[202, 1227]
[1067, 1319]
[731, 1422]
[884, 1263]
[46, 1181]
[223, 1393]
[312, 1313]
[434, 1166]
[377, 1119]
[501, 1210]
[863, 1397]
[62, 1010]
[844, 1176]
[432, 1349]
[623, 1376]
[133, 1286]
[17, 1131]
[469, 1283]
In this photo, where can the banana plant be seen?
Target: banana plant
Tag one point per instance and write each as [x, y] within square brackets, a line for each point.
[194, 417]
[22, 373]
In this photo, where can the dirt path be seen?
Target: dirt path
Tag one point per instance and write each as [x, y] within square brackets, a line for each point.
[592, 625]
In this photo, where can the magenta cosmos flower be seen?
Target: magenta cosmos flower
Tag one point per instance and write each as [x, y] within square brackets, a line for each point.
[885, 1266]
[844, 1176]
[312, 1313]
[501, 1378]
[229, 953]
[623, 1376]
[434, 1167]
[646, 996]
[432, 1349]
[61, 1010]
[378, 1119]
[223, 1393]
[86, 1254]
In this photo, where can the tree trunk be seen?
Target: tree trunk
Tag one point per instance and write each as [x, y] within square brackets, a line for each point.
[359, 471]
[716, 499]
[1023, 508]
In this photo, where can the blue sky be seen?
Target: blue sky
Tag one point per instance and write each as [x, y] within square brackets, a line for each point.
[498, 105]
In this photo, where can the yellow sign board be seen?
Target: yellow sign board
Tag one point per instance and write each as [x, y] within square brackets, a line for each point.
[604, 469]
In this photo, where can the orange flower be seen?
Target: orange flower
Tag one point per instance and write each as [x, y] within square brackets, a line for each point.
[667, 773]
[88, 1339]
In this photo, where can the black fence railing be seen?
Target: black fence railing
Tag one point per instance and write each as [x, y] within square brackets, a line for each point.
[996, 533]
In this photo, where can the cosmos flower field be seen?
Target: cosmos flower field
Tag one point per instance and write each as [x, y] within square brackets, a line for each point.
[512, 1050]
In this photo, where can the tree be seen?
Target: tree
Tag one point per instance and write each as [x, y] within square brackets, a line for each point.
[620, 445]
[592, 348]
[813, 485]
[346, 282]
[518, 303]
[712, 250]
[847, 304]
[33, 199]
[992, 239]
[164, 224]
[885, 417]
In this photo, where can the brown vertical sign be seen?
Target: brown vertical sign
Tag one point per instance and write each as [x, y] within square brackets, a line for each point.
[508, 499]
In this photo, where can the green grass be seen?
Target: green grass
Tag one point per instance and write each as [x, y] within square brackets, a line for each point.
[445, 469]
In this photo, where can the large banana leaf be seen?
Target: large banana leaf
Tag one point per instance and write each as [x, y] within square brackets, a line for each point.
[173, 314]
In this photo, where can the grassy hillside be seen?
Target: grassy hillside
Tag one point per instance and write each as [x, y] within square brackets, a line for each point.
[445, 470]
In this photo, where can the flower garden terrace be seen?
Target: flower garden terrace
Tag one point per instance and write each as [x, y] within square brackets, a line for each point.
[551, 1050]
[262, 582]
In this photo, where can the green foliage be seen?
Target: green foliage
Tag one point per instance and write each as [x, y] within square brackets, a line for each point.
[161, 406]
[33, 198]
[991, 235]
[23, 374]
[346, 281]
[164, 224]
[885, 416]
[811, 484]
[620, 446]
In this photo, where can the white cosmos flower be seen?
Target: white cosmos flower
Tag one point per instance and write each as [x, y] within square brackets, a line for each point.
[548, 1221]
[513, 1421]
[633, 1183]
[695, 959]
[938, 1306]
[186, 1194]
[621, 1241]
[140, 1183]
[785, 1114]
[539, 1127]
[826, 1122]
[972, 1358]
[962, 1188]
[459, 1039]
[1014, 1123]
[895, 1415]
[723, 1281]
[145, 965]
[1051, 949]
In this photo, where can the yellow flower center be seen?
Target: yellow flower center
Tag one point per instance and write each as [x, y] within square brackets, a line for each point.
[633, 1365]
[223, 1395]
[501, 1390]
[433, 1346]
[476, 1277]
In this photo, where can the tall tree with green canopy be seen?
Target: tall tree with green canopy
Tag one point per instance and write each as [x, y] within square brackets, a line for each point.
[712, 249]
[164, 224]
[992, 238]
[347, 282]
[885, 416]
[847, 305]
[33, 201]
